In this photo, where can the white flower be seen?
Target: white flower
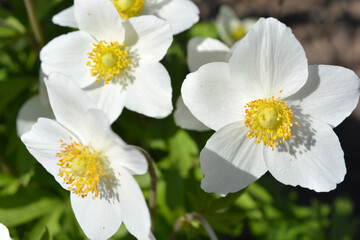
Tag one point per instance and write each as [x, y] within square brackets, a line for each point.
[86, 157]
[181, 14]
[4, 233]
[35, 107]
[199, 52]
[231, 28]
[116, 63]
[271, 112]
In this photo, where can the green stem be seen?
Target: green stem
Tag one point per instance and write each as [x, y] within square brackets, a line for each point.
[34, 22]
[3, 167]
[188, 218]
[152, 200]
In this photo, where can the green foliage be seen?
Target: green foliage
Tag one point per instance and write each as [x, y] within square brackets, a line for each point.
[35, 207]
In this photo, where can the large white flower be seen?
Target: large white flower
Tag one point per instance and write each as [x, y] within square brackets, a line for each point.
[4, 232]
[271, 112]
[35, 107]
[86, 157]
[181, 14]
[116, 63]
[230, 28]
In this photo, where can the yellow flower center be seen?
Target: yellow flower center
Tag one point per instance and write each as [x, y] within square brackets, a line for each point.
[269, 120]
[81, 167]
[128, 8]
[239, 32]
[108, 60]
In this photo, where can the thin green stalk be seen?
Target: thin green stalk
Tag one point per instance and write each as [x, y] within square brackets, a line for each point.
[188, 218]
[34, 22]
[152, 200]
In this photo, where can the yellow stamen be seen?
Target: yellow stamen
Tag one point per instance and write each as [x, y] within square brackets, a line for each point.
[239, 32]
[81, 167]
[269, 120]
[108, 60]
[128, 8]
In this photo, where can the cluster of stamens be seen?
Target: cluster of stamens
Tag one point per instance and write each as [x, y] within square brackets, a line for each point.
[81, 168]
[128, 8]
[239, 32]
[269, 120]
[108, 60]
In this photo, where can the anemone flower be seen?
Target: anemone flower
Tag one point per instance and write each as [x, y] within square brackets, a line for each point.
[116, 63]
[271, 112]
[87, 158]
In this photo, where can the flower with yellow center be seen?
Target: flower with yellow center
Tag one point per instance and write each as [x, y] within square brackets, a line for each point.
[117, 63]
[180, 14]
[271, 112]
[229, 27]
[87, 158]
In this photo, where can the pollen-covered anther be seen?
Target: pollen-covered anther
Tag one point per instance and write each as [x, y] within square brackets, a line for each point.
[269, 120]
[108, 60]
[81, 168]
[128, 8]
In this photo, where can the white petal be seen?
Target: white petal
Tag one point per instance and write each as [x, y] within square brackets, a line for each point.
[223, 23]
[181, 14]
[43, 142]
[4, 232]
[151, 92]
[44, 98]
[230, 161]
[68, 111]
[68, 54]
[213, 97]
[330, 94]
[313, 158]
[269, 59]
[66, 18]
[30, 112]
[205, 50]
[134, 210]
[99, 218]
[110, 98]
[128, 157]
[100, 19]
[184, 118]
[102, 138]
[148, 36]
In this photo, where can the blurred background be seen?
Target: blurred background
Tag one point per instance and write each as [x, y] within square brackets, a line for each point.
[33, 206]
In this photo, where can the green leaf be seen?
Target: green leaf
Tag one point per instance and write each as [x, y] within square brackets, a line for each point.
[12, 88]
[344, 224]
[259, 193]
[7, 32]
[225, 202]
[48, 225]
[203, 29]
[175, 189]
[183, 152]
[26, 206]
[8, 185]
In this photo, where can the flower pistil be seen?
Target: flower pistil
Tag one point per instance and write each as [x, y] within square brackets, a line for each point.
[81, 167]
[269, 120]
[108, 60]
